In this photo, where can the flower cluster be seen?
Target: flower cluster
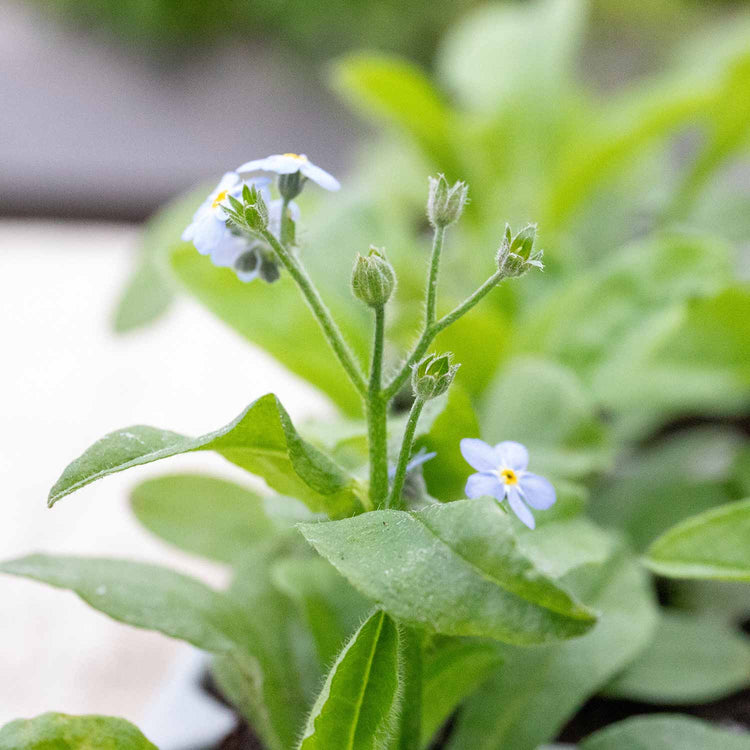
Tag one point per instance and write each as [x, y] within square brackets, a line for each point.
[212, 232]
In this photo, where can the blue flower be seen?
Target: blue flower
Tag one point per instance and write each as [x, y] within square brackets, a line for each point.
[290, 164]
[502, 474]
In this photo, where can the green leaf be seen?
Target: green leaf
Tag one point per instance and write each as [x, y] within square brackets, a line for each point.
[690, 660]
[454, 668]
[399, 93]
[261, 440]
[204, 515]
[331, 608]
[53, 731]
[501, 51]
[711, 545]
[544, 406]
[537, 690]
[274, 317]
[358, 705]
[151, 289]
[145, 596]
[455, 569]
[655, 488]
[666, 732]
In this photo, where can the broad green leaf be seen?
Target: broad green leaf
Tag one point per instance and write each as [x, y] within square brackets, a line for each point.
[690, 660]
[544, 406]
[666, 732]
[453, 568]
[398, 92]
[331, 608]
[359, 703]
[54, 731]
[261, 440]
[537, 690]
[712, 545]
[139, 594]
[454, 668]
[204, 515]
[674, 478]
[274, 317]
[446, 474]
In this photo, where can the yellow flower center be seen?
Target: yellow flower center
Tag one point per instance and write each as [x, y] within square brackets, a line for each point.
[509, 476]
[298, 157]
[219, 198]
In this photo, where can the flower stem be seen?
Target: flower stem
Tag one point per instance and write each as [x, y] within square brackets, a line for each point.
[285, 222]
[394, 498]
[437, 249]
[321, 312]
[376, 416]
[433, 330]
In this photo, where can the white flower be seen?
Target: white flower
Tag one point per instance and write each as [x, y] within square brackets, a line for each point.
[501, 473]
[289, 164]
[208, 230]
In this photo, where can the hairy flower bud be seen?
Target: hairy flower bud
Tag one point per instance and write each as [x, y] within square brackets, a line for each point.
[516, 255]
[433, 375]
[373, 278]
[445, 204]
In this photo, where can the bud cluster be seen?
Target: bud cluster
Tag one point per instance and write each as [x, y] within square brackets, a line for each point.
[249, 214]
[445, 203]
[373, 278]
[433, 375]
[516, 255]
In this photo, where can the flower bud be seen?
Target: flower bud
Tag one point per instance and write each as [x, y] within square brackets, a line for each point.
[269, 269]
[373, 278]
[253, 208]
[290, 185]
[433, 375]
[445, 204]
[516, 255]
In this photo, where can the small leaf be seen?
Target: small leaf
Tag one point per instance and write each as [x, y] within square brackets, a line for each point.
[54, 731]
[711, 545]
[204, 515]
[455, 569]
[358, 705]
[666, 732]
[261, 440]
[690, 660]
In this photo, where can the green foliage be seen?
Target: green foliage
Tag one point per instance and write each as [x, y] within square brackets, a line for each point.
[690, 660]
[204, 515]
[62, 732]
[486, 585]
[359, 701]
[664, 733]
[535, 691]
[261, 440]
[713, 544]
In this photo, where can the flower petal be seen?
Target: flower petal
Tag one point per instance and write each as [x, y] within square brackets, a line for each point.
[479, 455]
[537, 491]
[519, 508]
[278, 163]
[513, 455]
[479, 485]
[320, 176]
[209, 232]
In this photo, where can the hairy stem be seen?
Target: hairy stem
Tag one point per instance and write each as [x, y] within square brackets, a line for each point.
[376, 416]
[432, 280]
[429, 334]
[320, 311]
[394, 498]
